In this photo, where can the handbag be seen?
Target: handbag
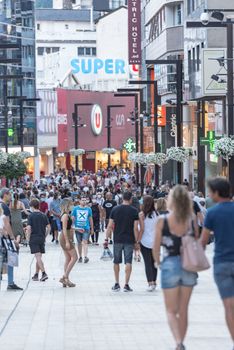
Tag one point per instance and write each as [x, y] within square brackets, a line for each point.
[193, 255]
[12, 254]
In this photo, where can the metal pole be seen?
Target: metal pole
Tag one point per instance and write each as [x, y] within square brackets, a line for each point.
[230, 94]
[156, 167]
[179, 115]
[21, 125]
[201, 149]
[76, 135]
[109, 134]
[136, 114]
[142, 139]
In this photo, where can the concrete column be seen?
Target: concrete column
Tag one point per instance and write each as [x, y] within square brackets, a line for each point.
[37, 168]
[50, 164]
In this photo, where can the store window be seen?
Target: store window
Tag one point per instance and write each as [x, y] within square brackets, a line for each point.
[87, 51]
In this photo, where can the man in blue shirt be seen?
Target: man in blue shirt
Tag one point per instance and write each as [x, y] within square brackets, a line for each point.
[220, 221]
[83, 221]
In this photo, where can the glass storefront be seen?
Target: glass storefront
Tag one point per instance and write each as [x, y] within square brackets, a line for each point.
[17, 56]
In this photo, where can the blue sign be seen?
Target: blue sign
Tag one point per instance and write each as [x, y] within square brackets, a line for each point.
[94, 66]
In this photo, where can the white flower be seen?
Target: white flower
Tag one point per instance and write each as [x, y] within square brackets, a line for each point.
[224, 147]
[179, 154]
[109, 150]
[77, 152]
[24, 155]
[3, 158]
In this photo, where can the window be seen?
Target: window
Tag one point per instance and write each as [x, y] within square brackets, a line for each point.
[40, 51]
[189, 62]
[178, 15]
[87, 51]
[81, 51]
[48, 50]
[194, 61]
[38, 26]
[55, 49]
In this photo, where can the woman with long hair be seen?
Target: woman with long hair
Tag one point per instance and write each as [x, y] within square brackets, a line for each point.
[161, 206]
[67, 242]
[148, 219]
[177, 283]
[16, 209]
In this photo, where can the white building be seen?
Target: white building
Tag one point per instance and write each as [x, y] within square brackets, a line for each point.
[61, 36]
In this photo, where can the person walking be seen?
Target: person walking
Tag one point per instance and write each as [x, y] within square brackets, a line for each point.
[96, 212]
[124, 220]
[55, 212]
[67, 244]
[5, 198]
[16, 209]
[220, 220]
[83, 221]
[148, 219]
[108, 205]
[37, 230]
[177, 283]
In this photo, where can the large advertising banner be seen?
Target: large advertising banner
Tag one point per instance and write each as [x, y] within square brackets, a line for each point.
[134, 31]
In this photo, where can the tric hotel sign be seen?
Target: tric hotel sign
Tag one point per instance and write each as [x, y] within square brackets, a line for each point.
[134, 31]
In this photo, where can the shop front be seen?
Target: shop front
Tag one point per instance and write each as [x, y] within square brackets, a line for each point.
[91, 133]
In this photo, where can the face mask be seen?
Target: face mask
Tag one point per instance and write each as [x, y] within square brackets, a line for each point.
[94, 201]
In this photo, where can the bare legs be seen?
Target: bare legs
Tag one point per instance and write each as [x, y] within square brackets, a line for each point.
[176, 302]
[128, 271]
[70, 260]
[229, 314]
[39, 262]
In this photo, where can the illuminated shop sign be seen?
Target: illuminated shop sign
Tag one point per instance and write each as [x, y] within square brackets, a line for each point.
[96, 120]
[107, 66]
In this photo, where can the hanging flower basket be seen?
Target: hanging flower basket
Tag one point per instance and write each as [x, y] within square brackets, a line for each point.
[224, 147]
[156, 158]
[138, 157]
[77, 152]
[109, 150]
[179, 154]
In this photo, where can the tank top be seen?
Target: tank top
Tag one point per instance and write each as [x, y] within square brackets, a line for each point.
[170, 242]
[69, 221]
[149, 231]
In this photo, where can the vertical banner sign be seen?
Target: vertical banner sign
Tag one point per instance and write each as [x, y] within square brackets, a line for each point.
[134, 31]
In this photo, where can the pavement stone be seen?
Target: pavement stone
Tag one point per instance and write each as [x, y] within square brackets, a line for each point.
[91, 317]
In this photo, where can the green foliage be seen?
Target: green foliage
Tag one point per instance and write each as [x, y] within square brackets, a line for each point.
[14, 168]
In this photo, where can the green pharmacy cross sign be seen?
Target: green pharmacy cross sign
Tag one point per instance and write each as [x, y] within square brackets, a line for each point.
[130, 145]
[209, 140]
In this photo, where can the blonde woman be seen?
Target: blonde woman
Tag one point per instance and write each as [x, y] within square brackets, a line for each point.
[67, 243]
[177, 284]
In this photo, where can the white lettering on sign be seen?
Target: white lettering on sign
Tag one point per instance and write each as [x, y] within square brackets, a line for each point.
[120, 119]
[62, 119]
[96, 120]
[173, 125]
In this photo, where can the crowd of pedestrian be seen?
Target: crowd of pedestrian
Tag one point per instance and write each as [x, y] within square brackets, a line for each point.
[75, 209]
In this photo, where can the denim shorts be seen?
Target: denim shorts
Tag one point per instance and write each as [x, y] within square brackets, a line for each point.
[173, 275]
[224, 278]
[119, 249]
[82, 236]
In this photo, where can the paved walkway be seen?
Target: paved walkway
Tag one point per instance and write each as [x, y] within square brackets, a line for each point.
[91, 317]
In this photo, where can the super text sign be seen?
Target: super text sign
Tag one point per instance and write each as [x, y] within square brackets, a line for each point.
[95, 66]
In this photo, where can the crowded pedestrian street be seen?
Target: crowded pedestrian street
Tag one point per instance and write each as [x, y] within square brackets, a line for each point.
[92, 317]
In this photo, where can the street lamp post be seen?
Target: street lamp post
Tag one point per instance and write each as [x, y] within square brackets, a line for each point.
[157, 101]
[75, 117]
[109, 108]
[179, 109]
[135, 120]
[228, 24]
[140, 91]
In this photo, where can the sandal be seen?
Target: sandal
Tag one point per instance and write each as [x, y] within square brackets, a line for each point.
[63, 281]
[69, 283]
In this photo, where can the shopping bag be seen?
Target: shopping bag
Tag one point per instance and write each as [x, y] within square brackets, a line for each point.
[107, 254]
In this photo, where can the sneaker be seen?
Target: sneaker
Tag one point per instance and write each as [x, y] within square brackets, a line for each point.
[80, 260]
[111, 242]
[86, 260]
[127, 288]
[180, 347]
[116, 287]
[138, 259]
[35, 277]
[44, 277]
[13, 287]
[52, 240]
[57, 242]
[150, 288]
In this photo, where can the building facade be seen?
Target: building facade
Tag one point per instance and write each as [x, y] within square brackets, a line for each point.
[17, 71]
